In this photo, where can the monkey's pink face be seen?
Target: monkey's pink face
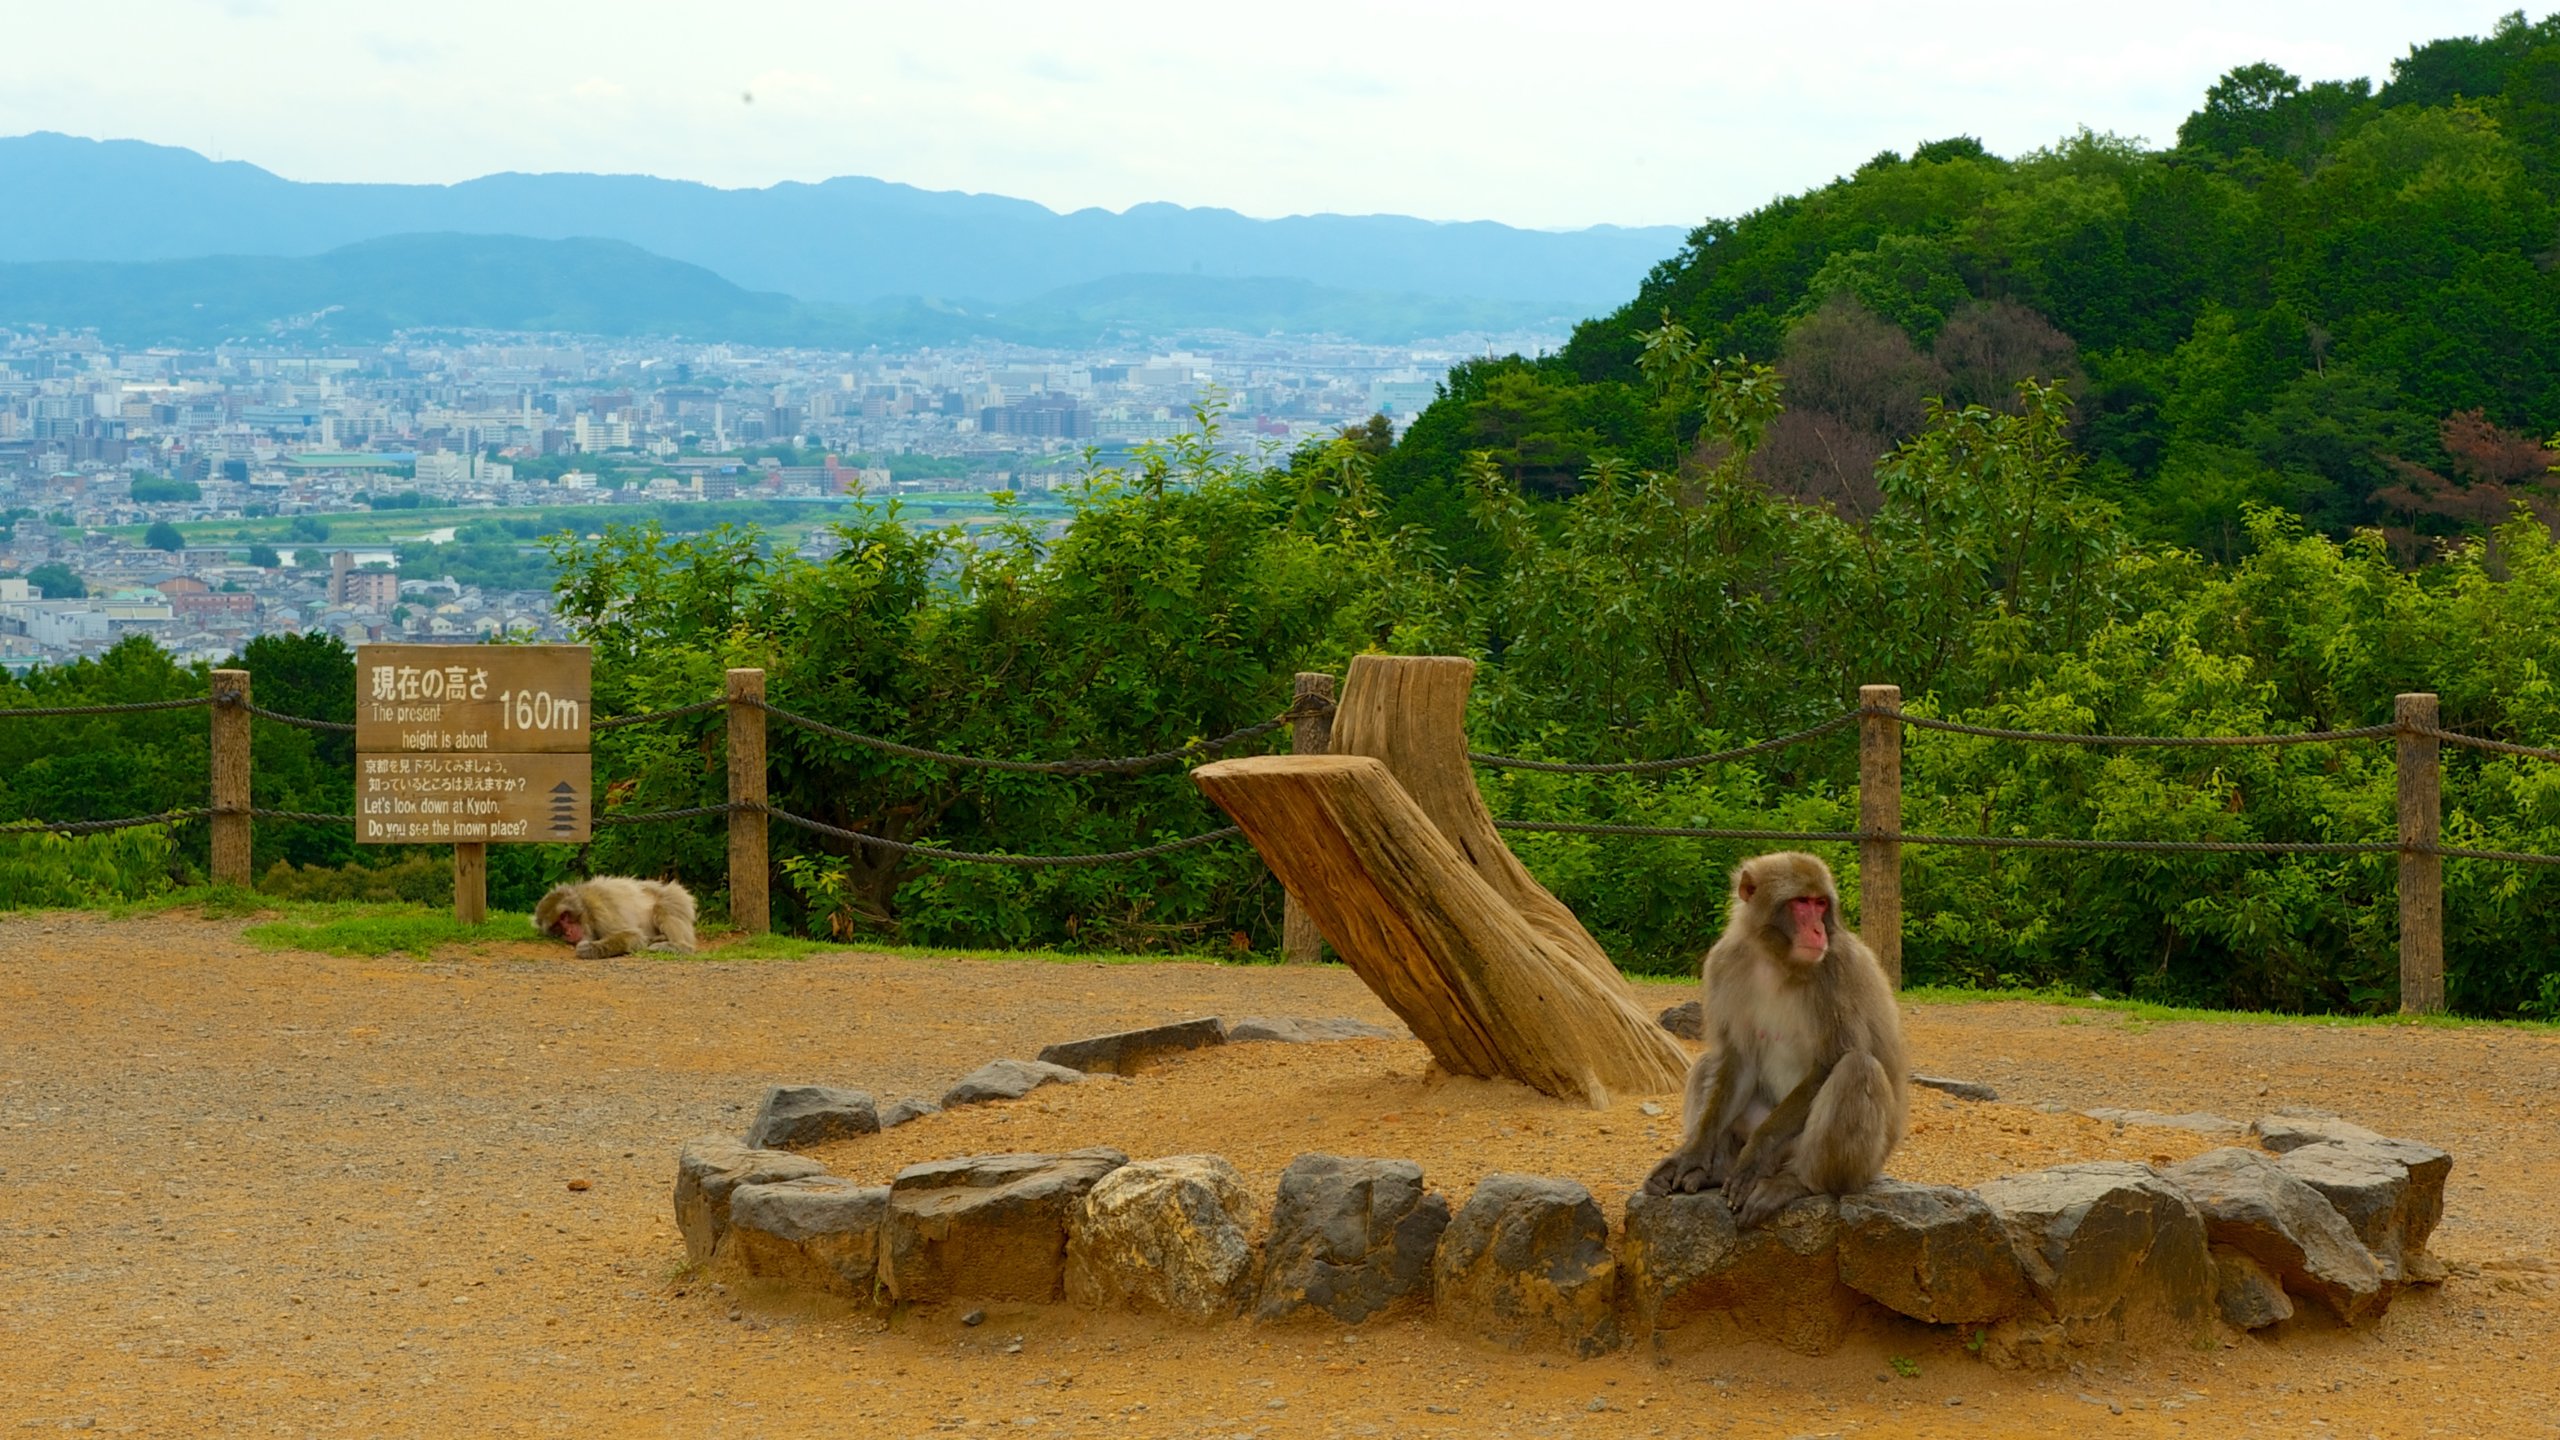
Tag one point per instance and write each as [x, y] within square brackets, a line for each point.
[568, 928]
[1808, 926]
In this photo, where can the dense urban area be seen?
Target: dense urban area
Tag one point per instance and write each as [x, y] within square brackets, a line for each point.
[204, 498]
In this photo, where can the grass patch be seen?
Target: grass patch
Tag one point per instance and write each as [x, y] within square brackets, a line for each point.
[366, 930]
[2143, 1013]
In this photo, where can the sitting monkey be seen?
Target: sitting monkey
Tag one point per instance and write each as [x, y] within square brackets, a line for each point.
[1806, 1090]
[616, 915]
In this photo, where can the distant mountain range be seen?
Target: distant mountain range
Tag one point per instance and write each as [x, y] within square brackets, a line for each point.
[363, 292]
[848, 240]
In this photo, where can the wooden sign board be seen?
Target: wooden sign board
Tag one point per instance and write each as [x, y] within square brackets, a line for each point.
[423, 799]
[498, 699]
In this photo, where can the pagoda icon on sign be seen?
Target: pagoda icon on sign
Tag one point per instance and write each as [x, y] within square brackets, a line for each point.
[564, 809]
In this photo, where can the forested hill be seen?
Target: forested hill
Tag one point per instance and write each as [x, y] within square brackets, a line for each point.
[2303, 301]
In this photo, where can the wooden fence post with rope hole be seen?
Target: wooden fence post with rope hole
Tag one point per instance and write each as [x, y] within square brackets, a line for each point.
[1880, 815]
[2421, 869]
[750, 875]
[230, 823]
[1300, 942]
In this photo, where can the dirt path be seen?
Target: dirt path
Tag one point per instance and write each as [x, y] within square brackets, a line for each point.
[245, 1192]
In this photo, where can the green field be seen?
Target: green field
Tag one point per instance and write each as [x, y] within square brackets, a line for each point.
[787, 522]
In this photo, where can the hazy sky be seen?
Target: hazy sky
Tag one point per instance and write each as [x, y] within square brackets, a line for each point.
[1553, 113]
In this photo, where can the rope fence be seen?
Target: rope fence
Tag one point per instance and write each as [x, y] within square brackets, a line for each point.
[1879, 719]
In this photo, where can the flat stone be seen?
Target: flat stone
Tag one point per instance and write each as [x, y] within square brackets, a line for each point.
[1526, 1261]
[1961, 1089]
[1125, 1052]
[711, 1167]
[1687, 1267]
[796, 1115]
[2110, 1251]
[819, 1233]
[1350, 1238]
[2246, 1294]
[2199, 1121]
[985, 1227]
[2292, 1129]
[912, 1107]
[2252, 1205]
[1932, 1252]
[1688, 1020]
[1302, 1030]
[1172, 1235]
[1006, 1080]
[2390, 1191]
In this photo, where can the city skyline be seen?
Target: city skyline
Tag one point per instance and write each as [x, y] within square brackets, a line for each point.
[1423, 110]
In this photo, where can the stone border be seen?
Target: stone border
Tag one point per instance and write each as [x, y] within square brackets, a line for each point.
[2029, 1268]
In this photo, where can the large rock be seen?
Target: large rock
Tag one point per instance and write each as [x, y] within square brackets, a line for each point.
[1006, 1080]
[1302, 1030]
[708, 1170]
[1126, 1051]
[1349, 1238]
[1174, 1235]
[2110, 1251]
[1687, 1265]
[2292, 1129]
[913, 1107]
[1526, 1260]
[821, 1233]
[1688, 1020]
[2390, 1191]
[796, 1115]
[1932, 1252]
[2200, 1121]
[2250, 1204]
[2247, 1295]
[987, 1227]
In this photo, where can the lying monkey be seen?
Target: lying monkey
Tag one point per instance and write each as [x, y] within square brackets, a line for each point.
[615, 915]
[1806, 1091]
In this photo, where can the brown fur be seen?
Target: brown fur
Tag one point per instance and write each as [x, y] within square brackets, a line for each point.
[1807, 1089]
[616, 915]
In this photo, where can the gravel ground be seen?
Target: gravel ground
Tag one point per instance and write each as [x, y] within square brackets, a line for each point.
[252, 1192]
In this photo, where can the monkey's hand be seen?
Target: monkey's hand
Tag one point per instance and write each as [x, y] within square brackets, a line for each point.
[1682, 1174]
[589, 950]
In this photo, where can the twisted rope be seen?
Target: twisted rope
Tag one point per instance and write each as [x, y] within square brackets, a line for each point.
[34, 712]
[1994, 842]
[1680, 762]
[337, 727]
[1019, 862]
[1993, 732]
[652, 817]
[2501, 747]
[652, 716]
[1124, 765]
[95, 827]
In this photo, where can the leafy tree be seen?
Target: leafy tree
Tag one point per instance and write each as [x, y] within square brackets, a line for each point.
[164, 536]
[54, 581]
[161, 490]
[264, 556]
[309, 528]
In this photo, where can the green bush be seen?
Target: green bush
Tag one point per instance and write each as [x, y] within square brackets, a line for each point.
[44, 871]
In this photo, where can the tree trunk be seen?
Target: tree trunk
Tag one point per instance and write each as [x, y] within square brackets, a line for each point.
[1488, 991]
[1410, 711]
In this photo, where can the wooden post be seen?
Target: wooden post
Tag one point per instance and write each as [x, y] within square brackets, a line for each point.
[1880, 814]
[2421, 870]
[750, 874]
[470, 881]
[1300, 943]
[231, 778]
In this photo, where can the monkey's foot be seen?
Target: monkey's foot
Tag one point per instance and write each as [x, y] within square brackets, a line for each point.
[1679, 1175]
[587, 950]
[1765, 1198]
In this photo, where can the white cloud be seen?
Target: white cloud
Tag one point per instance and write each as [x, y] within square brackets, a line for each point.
[1518, 110]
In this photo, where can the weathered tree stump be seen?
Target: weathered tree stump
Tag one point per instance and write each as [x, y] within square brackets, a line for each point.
[1410, 712]
[1489, 991]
